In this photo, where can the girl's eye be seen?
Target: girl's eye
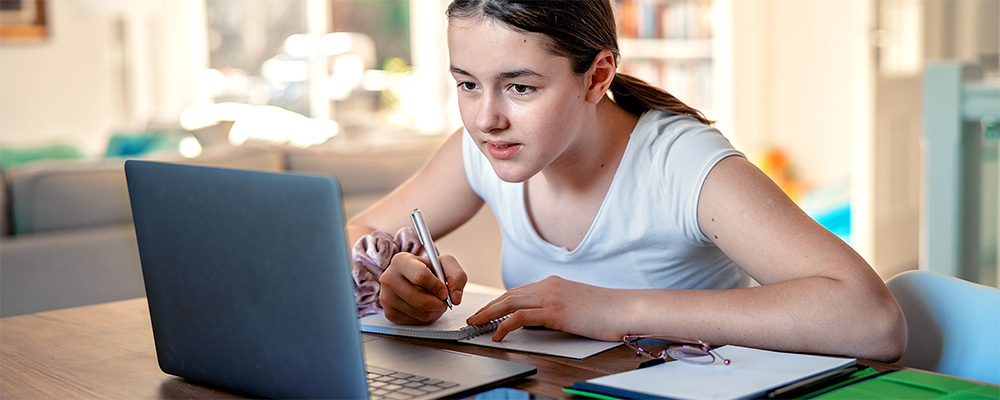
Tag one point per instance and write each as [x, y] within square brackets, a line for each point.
[522, 89]
[467, 86]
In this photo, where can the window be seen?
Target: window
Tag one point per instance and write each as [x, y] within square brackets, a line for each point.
[327, 59]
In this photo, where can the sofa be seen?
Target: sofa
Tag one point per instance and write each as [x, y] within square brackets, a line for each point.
[66, 235]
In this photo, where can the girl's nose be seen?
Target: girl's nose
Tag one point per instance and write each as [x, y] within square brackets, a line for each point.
[490, 117]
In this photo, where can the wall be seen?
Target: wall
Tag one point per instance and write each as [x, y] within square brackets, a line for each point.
[788, 90]
[801, 83]
[962, 29]
[67, 89]
[107, 66]
[792, 82]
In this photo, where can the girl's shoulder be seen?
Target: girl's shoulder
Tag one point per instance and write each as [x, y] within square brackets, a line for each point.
[663, 129]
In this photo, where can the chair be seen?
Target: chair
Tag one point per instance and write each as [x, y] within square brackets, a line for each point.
[954, 325]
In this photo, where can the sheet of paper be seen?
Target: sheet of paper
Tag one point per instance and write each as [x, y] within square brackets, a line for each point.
[546, 341]
[540, 341]
[751, 373]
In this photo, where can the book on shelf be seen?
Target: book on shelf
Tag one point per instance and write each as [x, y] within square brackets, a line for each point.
[664, 19]
[689, 81]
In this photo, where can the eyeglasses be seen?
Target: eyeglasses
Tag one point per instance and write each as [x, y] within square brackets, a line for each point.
[661, 347]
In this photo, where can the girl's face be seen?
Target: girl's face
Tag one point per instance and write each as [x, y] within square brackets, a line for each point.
[521, 104]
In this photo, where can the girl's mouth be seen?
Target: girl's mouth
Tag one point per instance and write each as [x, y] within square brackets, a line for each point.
[503, 150]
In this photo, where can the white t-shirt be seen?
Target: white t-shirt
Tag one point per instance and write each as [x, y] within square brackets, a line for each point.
[646, 233]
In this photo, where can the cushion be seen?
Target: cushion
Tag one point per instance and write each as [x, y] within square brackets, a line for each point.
[378, 169]
[59, 195]
[4, 205]
[265, 158]
[11, 156]
[51, 195]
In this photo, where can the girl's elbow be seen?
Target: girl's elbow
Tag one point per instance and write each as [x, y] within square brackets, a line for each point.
[899, 335]
[891, 335]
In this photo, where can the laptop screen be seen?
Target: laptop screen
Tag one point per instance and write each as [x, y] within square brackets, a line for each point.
[247, 276]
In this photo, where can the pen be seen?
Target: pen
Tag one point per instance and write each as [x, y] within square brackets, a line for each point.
[424, 235]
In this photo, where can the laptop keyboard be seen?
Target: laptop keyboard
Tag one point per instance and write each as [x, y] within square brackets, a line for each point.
[388, 384]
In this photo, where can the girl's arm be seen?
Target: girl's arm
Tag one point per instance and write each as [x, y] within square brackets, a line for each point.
[817, 294]
[410, 293]
[439, 189]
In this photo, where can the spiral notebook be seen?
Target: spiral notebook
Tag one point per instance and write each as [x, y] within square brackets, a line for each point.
[451, 326]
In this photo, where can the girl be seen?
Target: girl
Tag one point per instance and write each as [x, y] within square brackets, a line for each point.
[622, 210]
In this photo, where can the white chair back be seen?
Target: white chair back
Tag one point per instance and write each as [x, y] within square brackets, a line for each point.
[954, 325]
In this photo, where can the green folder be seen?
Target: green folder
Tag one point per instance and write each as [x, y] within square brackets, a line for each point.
[863, 384]
[905, 384]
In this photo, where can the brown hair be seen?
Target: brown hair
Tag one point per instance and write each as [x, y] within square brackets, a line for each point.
[577, 30]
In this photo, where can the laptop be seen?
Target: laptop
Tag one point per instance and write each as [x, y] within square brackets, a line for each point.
[247, 275]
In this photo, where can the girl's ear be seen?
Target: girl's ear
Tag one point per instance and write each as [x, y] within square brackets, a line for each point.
[599, 78]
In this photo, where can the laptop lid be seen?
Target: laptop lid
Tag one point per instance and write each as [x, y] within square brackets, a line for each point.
[247, 276]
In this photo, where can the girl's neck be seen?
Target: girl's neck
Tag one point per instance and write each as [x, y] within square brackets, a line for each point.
[591, 162]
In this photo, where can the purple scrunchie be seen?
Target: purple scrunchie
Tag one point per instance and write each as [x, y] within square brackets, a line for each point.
[372, 254]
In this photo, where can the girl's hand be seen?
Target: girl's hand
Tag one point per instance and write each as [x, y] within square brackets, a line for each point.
[412, 295]
[559, 304]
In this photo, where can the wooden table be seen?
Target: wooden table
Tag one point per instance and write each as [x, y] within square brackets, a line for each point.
[106, 351]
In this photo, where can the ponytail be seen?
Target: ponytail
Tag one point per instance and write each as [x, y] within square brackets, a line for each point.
[636, 96]
[578, 30]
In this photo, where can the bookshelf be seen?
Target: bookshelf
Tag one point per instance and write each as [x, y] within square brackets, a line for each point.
[670, 44]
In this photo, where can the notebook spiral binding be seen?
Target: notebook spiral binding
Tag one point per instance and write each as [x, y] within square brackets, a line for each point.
[472, 331]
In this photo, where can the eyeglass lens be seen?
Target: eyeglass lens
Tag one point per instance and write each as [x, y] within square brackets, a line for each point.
[658, 348]
[690, 354]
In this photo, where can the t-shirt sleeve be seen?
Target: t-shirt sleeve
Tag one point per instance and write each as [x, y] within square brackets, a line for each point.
[690, 150]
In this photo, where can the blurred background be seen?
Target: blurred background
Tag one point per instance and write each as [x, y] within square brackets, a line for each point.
[835, 99]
